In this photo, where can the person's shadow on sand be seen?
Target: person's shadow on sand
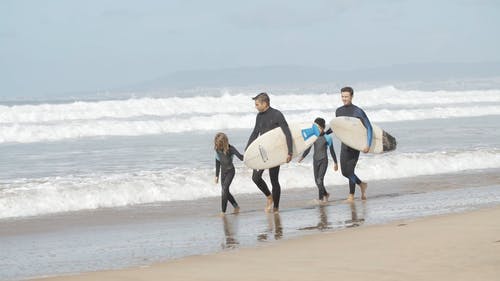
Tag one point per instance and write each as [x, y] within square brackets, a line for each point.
[273, 224]
[230, 240]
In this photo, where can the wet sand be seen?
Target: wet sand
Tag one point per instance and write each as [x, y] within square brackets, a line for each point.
[463, 246]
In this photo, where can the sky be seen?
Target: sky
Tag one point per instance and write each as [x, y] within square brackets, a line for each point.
[60, 46]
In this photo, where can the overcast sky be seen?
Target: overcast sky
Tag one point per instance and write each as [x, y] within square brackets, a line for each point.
[57, 46]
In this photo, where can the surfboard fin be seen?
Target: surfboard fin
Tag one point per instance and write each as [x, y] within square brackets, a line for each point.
[309, 132]
[389, 142]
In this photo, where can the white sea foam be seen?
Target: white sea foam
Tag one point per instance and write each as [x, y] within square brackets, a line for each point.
[149, 116]
[71, 193]
[239, 103]
[72, 129]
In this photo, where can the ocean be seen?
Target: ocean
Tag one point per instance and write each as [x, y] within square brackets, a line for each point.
[139, 155]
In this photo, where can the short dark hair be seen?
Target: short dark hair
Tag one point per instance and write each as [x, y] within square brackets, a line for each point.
[320, 121]
[347, 89]
[262, 97]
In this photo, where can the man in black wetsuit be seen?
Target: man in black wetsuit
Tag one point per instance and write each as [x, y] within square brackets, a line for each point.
[349, 156]
[267, 119]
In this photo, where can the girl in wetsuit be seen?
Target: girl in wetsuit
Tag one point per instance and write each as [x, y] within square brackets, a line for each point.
[224, 164]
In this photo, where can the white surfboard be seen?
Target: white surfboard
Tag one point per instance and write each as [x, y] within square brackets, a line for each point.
[351, 132]
[270, 149]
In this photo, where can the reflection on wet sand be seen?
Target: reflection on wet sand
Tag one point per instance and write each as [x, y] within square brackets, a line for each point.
[229, 233]
[355, 221]
[273, 227]
[323, 223]
[341, 216]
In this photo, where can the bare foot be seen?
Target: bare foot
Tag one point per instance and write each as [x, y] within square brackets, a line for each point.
[350, 198]
[269, 204]
[236, 210]
[363, 186]
[325, 198]
[222, 214]
[276, 210]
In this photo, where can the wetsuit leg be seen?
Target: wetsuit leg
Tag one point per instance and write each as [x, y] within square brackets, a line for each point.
[232, 200]
[319, 176]
[229, 180]
[226, 179]
[261, 184]
[274, 175]
[348, 160]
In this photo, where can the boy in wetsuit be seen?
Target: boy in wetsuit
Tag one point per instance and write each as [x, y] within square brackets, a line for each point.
[224, 164]
[320, 158]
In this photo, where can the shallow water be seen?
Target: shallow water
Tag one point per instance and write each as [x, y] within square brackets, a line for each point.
[142, 235]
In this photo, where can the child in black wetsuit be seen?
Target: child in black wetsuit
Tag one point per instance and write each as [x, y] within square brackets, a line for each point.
[224, 164]
[320, 158]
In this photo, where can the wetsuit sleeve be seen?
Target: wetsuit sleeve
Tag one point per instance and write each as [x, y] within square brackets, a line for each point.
[368, 126]
[217, 167]
[286, 130]
[306, 152]
[234, 151]
[359, 113]
[332, 152]
[255, 132]
[329, 141]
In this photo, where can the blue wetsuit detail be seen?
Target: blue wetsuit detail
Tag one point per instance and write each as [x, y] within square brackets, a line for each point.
[329, 139]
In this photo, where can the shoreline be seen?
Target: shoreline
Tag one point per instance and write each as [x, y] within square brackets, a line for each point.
[114, 239]
[290, 199]
[459, 246]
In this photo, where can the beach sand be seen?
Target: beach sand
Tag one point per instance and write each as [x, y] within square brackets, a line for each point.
[463, 246]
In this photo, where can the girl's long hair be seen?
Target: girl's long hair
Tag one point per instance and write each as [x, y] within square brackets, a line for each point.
[221, 143]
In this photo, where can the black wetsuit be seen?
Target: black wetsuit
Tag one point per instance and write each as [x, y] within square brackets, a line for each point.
[349, 156]
[320, 161]
[266, 121]
[224, 165]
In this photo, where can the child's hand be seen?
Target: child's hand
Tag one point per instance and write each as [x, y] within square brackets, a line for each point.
[335, 167]
[216, 179]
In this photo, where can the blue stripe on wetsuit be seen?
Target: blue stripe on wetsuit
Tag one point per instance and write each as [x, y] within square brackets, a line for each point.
[329, 139]
[364, 119]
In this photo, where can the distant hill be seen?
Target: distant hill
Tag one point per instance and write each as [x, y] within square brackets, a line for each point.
[276, 75]
[445, 76]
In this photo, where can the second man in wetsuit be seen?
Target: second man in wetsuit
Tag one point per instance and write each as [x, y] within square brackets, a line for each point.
[349, 156]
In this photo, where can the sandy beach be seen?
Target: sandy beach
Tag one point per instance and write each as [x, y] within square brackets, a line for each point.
[464, 246]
